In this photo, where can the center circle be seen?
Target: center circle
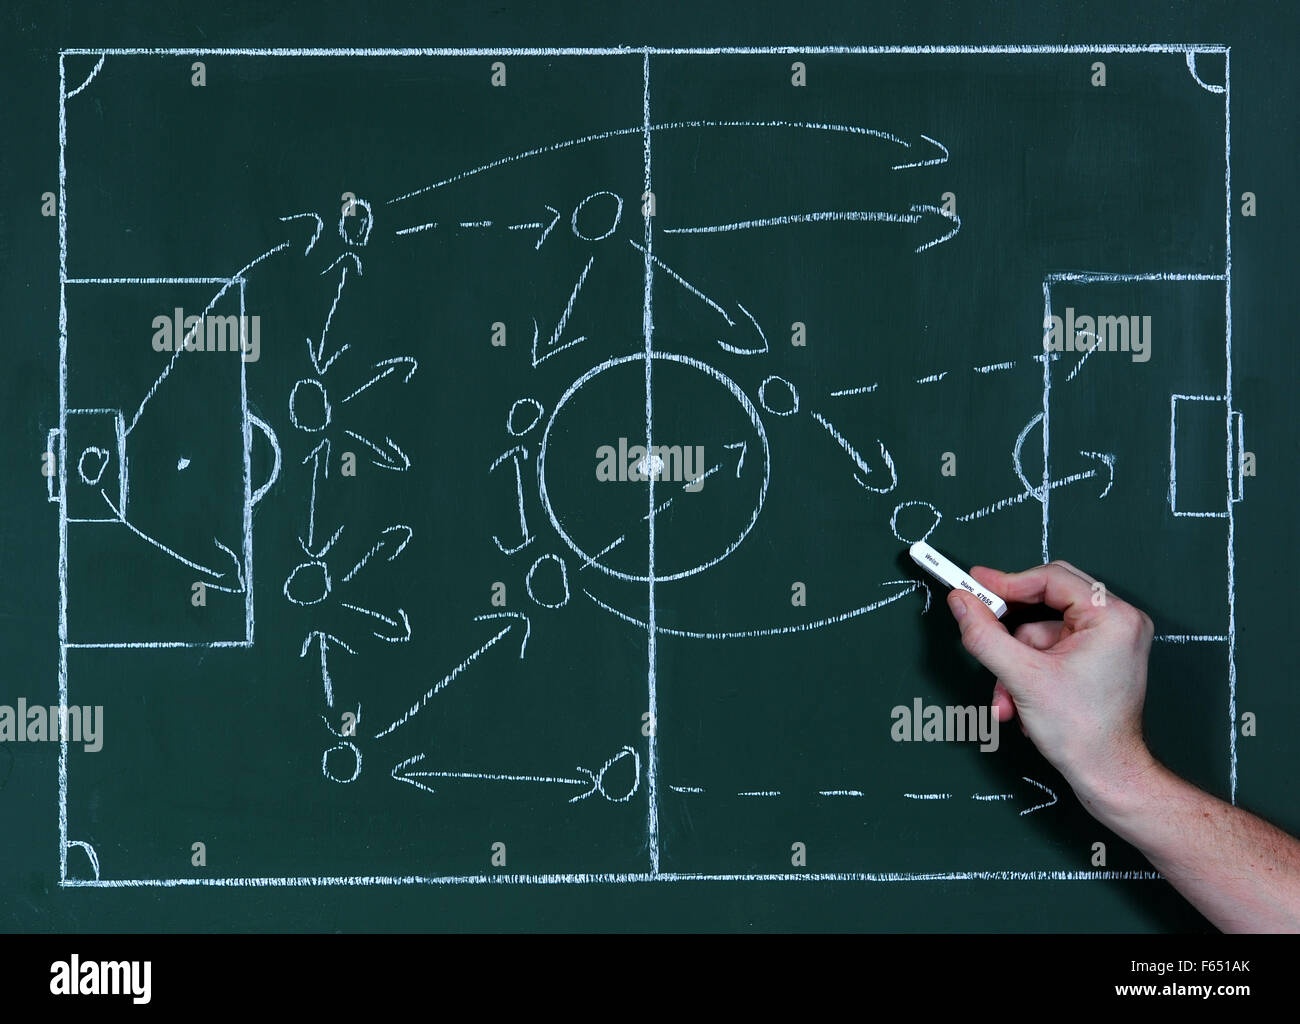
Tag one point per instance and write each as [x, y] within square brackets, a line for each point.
[709, 455]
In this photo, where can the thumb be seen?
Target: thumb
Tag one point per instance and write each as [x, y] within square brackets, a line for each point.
[988, 640]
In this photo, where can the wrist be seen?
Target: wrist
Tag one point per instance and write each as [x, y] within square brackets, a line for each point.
[1120, 787]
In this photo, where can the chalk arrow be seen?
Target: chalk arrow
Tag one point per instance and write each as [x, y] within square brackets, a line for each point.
[554, 220]
[322, 642]
[317, 353]
[389, 457]
[319, 457]
[553, 347]
[592, 780]
[915, 583]
[1107, 459]
[951, 224]
[403, 773]
[400, 768]
[239, 572]
[859, 461]
[451, 676]
[398, 535]
[1104, 458]
[404, 630]
[752, 349]
[1050, 801]
[917, 213]
[928, 155]
[320, 226]
[390, 366]
[744, 318]
[239, 567]
[528, 626]
[908, 587]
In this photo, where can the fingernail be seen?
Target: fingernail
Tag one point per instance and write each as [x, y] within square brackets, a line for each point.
[957, 605]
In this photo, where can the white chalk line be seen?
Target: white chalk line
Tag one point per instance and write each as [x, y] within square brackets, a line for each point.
[644, 129]
[406, 623]
[615, 878]
[568, 308]
[1180, 48]
[439, 686]
[681, 280]
[651, 626]
[234, 279]
[998, 506]
[626, 51]
[378, 546]
[166, 550]
[843, 442]
[868, 216]
[1046, 803]
[926, 163]
[1227, 390]
[910, 587]
[91, 77]
[387, 462]
[1191, 67]
[320, 227]
[589, 562]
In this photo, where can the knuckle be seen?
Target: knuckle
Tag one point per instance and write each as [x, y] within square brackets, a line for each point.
[974, 640]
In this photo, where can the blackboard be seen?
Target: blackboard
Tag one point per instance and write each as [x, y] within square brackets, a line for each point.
[360, 570]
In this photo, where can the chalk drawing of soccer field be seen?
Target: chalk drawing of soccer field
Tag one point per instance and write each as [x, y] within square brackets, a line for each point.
[634, 305]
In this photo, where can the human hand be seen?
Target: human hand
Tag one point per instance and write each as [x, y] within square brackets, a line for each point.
[1077, 685]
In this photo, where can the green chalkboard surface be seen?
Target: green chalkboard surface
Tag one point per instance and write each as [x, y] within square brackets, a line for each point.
[479, 462]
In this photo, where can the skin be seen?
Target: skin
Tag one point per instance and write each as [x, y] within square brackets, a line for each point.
[1078, 687]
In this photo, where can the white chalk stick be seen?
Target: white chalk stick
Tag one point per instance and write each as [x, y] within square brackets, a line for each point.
[949, 574]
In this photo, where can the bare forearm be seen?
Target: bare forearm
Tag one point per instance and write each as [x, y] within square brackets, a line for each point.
[1240, 872]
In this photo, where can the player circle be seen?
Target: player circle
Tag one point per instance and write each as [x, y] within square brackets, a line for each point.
[295, 414]
[794, 397]
[538, 409]
[344, 751]
[618, 215]
[356, 212]
[307, 570]
[93, 452]
[668, 357]
[935, 518]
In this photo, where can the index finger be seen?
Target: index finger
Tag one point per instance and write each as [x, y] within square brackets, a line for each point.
[1053, 585]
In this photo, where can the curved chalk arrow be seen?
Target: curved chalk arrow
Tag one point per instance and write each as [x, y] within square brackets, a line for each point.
[909, 586]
